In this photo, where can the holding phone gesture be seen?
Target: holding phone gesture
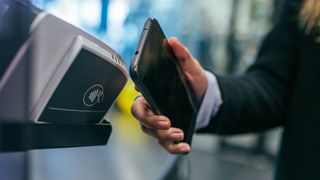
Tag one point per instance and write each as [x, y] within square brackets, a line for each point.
[159, 126]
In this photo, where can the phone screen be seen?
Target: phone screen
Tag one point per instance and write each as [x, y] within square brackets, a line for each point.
[161, 82]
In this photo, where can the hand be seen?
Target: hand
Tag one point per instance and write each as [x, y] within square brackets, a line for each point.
[159, 126]
[190, 67]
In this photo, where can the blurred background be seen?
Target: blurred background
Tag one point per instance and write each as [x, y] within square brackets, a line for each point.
[223, 35]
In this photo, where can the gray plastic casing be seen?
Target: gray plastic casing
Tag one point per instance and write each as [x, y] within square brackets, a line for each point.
[42, 61]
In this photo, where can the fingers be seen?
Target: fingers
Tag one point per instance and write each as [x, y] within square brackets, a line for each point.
[159, 127]
[168, 138]
[140, 109]
[172, 134]
[180, 148]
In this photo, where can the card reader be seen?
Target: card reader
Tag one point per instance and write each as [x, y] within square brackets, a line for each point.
[52, 73]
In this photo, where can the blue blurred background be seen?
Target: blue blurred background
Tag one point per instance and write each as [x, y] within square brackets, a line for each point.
[223, 35]
[204, 26]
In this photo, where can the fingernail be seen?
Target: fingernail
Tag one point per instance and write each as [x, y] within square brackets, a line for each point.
[163, 118]
[184, 148]
[177, 136]
[164, 124]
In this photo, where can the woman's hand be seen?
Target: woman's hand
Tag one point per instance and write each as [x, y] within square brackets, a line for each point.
[159, 126]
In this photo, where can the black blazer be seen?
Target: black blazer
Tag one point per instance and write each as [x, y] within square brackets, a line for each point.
[282, 88]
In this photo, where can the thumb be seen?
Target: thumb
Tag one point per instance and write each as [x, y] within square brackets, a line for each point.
[190, 67]
[181, 52]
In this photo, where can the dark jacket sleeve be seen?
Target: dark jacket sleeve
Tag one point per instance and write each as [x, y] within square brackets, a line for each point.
[258, 99]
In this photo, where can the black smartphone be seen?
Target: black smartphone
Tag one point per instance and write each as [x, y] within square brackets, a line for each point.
[157, 75]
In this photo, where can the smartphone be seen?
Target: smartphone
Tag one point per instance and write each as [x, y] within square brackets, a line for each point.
[157, 75]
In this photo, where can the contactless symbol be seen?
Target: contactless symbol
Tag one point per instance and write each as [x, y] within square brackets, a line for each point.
[94, 95]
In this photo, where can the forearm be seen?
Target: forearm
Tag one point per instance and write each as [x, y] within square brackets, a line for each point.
[250, 104]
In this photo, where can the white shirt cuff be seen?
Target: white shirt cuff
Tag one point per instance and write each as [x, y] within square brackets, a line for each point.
[211, 102]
